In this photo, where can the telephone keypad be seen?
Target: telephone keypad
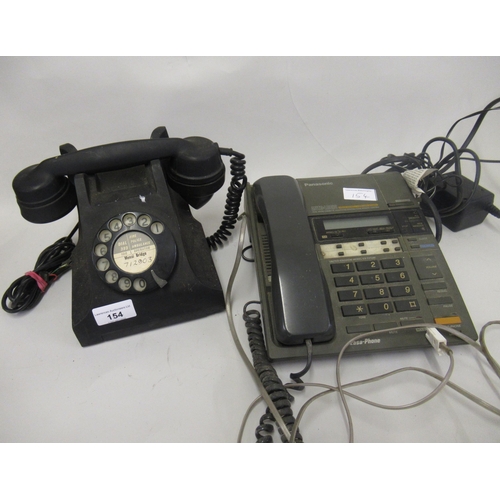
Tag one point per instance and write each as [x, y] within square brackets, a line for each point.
[368, 289]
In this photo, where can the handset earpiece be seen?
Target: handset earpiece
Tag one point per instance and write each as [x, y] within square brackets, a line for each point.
[197, 171]
[43, 197]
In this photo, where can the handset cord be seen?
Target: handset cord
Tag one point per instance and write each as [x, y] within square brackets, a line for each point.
[27, 291]
[229, 312]
[233, 199]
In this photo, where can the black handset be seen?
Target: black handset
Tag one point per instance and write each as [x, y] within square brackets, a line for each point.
[302, 309]
[142, 260]
[193, 166]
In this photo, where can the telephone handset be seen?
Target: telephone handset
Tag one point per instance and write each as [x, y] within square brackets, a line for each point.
[340, 256]
[298, 287]
[142, 260]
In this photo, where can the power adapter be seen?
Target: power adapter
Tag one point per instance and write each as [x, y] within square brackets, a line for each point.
[477, 205]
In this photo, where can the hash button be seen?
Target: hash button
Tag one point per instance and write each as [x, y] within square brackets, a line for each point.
[406, 305]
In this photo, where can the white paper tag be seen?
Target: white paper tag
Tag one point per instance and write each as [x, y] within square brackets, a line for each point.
[413, 177]
[114, 312]
[360, 194]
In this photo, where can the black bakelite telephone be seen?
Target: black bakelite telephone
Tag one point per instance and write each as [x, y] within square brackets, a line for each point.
[142, 260]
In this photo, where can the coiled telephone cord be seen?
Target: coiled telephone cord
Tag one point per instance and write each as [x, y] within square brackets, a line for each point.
[233, 199]
[270, 380]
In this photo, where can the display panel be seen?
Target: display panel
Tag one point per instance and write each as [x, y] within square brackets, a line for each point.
[347, 223]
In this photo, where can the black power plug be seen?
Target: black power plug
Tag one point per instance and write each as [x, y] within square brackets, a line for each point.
[477, 204]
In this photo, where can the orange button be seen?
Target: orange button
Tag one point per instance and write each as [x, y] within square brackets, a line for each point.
[450, 320]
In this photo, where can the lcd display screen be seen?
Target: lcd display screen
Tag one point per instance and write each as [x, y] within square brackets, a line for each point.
[347, 223]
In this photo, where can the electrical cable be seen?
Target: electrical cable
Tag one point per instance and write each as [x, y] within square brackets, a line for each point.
[332, 389]
[410, 405]
[443, 176]
[435, 214]
[482, 115]
[233, 198]
[444, 381]
[465, 338]
[269, 378]
[484, 349]
[28, 290]
[229, 313]
[296, 377]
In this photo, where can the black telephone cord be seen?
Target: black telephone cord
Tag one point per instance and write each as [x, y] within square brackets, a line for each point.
[270, 380]
[27, 291]
[233, 199]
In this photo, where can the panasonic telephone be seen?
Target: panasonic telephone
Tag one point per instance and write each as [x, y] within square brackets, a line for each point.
[340, 256]
[142, 260]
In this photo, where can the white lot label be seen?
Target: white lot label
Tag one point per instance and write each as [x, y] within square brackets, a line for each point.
[360, 194]
[114, 312]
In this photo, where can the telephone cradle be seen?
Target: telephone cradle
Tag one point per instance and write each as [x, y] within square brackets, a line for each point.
[341, 256]
[142, 261]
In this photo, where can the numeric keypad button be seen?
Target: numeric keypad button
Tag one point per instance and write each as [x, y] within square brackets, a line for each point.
[396, 276]
[105, 235]
[124, 284]
[102, 264]
[144, 220]
[346, 280]
[115, 225]
[392, 263]
[345, 267]
[376, 293]
[346, 295]
[111, 276]
[140, 285]
[368, 265]
[100, 250]
[407, 305]
[371, 279]
[129, 220]
[402, 290]
[157, 228]
[380, 307]
[354, 310]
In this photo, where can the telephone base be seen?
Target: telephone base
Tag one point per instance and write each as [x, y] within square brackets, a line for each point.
[381, 267]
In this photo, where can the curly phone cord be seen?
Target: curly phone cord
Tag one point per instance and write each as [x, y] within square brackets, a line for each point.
[233, 199]
[270, 380]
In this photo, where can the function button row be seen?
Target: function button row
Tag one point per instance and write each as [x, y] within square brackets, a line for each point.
[367, 265]
[380, 307]
[355, 249]
[372, 279]
[376, 293]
